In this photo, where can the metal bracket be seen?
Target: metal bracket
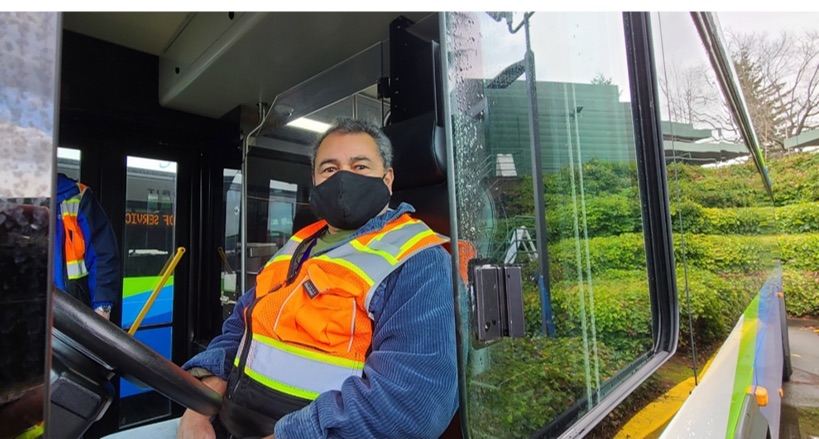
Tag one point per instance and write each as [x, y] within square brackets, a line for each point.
[498, 293]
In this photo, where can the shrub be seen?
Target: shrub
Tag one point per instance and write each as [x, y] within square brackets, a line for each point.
[529, 382]
[798, 218]
[801, 292]
[619, 311]
[795, 178]
[800, 252]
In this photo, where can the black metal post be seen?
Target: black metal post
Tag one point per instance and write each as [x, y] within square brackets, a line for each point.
[547, 322]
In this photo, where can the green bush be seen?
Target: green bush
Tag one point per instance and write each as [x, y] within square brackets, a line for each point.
[798, 218]
[791, 219]
[687, 215]
[624, 252]
[619, 310]
[800, 252]
[732, 253]
[737, 221]
[716, 302]
[529, 382]
[795, 178]
[730, 186]
[605, 216]
[801, 292]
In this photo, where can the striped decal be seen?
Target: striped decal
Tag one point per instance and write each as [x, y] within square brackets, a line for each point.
[750, 356]
[745, 364]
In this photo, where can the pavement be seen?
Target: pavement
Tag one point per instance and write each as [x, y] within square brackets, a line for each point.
[800, 405]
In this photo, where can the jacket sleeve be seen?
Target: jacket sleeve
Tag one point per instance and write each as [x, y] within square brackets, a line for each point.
[218, 356]
[410, 384]
[102, 257]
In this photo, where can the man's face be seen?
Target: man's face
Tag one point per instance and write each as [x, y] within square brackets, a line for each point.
[356, 153]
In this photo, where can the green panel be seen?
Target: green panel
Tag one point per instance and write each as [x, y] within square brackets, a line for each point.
[135, 285]
[745, 363]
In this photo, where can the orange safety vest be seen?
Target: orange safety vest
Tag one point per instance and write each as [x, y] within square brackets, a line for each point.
[74, 247]
[309, 328]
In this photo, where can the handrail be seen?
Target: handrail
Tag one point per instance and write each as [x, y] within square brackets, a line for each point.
[166, 272]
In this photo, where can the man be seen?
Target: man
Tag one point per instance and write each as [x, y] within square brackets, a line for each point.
[349, 332]
[86, 256]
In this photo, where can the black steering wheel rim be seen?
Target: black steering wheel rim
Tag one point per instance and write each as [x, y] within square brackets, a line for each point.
[129, 356]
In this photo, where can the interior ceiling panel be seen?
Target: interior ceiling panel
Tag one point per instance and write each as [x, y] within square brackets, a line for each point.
[148, 32]
[279, 51]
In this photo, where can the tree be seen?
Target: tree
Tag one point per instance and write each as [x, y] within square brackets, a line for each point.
[693, 96]
[787, 67]
[763, 102]
[600, 79]
[779, 77]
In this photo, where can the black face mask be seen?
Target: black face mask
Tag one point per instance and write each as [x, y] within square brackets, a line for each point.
[348, 200]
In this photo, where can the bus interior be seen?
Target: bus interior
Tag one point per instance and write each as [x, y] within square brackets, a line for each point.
[551, 147]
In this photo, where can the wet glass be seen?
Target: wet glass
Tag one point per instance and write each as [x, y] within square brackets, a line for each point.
[586, 298]
[29, 47]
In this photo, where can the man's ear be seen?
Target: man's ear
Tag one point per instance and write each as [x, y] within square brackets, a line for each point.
[388, 179]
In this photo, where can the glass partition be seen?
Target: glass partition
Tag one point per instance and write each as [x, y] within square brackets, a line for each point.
[555, 126]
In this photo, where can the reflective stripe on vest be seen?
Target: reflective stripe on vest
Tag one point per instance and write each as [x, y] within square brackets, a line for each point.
[306, 375]
[74, 247]
[311, 335]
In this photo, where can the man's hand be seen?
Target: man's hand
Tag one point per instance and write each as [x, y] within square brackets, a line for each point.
[102, 312]
[193, 425]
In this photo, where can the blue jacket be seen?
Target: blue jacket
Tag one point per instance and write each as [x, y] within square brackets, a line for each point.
[102, 260]
[410, 384]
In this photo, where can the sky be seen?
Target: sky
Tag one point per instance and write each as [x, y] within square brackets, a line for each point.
[770, 22]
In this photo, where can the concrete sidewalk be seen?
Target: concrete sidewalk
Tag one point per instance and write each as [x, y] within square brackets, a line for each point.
[800, 406]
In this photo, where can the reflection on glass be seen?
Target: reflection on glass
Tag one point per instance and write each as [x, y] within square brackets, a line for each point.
[277, 187]
[68, 162]
[149, 243]
[596, 292]
[724, 229]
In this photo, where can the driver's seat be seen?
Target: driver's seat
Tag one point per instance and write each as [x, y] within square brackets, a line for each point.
[419, 151]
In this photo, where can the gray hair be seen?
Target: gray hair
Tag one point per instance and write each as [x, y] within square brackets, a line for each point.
[346, 125]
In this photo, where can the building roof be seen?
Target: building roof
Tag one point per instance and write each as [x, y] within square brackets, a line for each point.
[807, 138]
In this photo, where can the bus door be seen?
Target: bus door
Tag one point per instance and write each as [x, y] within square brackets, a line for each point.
[150, 242]
[142, 192]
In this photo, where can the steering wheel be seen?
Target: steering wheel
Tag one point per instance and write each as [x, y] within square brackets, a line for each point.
[102, 339]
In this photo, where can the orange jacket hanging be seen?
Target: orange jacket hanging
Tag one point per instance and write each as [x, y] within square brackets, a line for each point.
[86, 256]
